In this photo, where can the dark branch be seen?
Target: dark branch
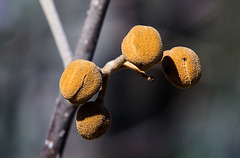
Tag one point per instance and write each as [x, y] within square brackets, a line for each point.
[59, 129]
[91, 29]
[64, 113]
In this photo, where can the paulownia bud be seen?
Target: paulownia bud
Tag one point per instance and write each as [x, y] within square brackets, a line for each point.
[80, 81]
[142, 46]
[92, 120]
[181, 67]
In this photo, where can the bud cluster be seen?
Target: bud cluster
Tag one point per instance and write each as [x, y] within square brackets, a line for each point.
[141, 49]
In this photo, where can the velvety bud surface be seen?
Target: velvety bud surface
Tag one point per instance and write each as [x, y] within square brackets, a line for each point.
[181, 66]
[92, 120]
[80, 81]
[142, 46]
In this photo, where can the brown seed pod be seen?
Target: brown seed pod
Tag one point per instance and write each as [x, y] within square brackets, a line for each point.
[92, 120]
[80, 81]
[181, 67]
[142, 46]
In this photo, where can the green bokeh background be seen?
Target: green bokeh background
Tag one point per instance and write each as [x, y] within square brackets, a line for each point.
[149, 119]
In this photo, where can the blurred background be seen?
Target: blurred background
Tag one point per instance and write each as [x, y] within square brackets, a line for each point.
[149, 119]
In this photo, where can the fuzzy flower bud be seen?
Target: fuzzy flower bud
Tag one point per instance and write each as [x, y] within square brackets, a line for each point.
[92, 120]
[142, 46]
[80, 81]
[181, 66]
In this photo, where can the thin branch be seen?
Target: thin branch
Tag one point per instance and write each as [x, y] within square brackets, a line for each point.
[57, 31]
[58, 132]
[91, 29]
[64, 113]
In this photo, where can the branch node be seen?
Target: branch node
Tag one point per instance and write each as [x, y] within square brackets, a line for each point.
[113, 66]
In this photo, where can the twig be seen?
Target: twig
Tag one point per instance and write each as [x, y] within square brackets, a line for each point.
[57, 31]
[120, 63]
[129, 65]
[64, 113]
[113, 66]
[109, 68]
[101, 95]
